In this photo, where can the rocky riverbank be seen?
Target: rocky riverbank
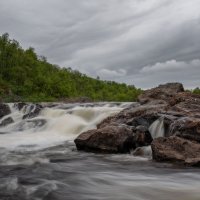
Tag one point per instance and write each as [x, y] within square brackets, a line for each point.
[166, 117]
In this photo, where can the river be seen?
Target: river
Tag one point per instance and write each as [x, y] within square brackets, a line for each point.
[39, 161]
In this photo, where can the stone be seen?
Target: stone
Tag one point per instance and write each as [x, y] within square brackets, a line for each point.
[110, 139]
[186, 103]
[143, 151]
[132, 113]
[34, 111]
[145, 119]
[4, 110]
[142, 136]
[161, 94]
[186, 127]
[177, 150]
[6, 121]
[20, 105]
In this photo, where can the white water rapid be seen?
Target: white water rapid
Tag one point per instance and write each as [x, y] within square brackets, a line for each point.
[53, 125]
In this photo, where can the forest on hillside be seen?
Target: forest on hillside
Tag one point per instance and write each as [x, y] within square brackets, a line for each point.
[25, 76]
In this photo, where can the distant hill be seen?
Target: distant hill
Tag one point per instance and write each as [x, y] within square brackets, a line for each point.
[25, 76]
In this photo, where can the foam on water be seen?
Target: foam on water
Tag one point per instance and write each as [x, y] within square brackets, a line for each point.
[61, 125]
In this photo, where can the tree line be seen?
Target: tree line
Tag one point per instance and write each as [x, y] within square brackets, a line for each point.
[196, 90]
[25, 76]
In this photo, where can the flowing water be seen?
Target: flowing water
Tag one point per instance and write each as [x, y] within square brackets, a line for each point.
[157, 128]
[39, 161]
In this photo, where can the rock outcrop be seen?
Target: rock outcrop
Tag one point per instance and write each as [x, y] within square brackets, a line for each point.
[176, 149]
[161, 94]
[167, 112]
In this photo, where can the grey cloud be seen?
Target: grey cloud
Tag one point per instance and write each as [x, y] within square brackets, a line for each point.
[117, 40]
[169, 71]
[173, 65]
[108, 74]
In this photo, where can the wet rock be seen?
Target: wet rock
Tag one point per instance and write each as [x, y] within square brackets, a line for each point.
[6, 121]
[129, 116]
[20, 105]
[161, 94]
[176, 149]
[142, 136]
[37, 122]
[186, 103]
[150, 117]
[144, 120]
[34, 111]
[30, 124]
[4, 110]
[186, 127]
[110, 139]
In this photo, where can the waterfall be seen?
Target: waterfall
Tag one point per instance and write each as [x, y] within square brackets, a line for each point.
[157, 128]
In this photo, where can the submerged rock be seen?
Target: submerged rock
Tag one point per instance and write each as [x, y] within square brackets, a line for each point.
[33, 111]
[4, 110]
[143, 151]
[7, 121]
[176, 149]
[37, 122]
[20, 105]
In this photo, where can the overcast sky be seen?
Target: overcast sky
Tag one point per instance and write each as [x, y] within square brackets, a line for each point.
[139, 42]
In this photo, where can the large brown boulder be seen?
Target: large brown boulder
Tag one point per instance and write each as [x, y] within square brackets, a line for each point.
[186, 103]
[186, 127]
[113, 139]
[177, 150]
[110, 139]
[161, 94]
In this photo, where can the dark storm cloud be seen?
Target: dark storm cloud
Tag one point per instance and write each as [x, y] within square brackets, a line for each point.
[141, 42]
